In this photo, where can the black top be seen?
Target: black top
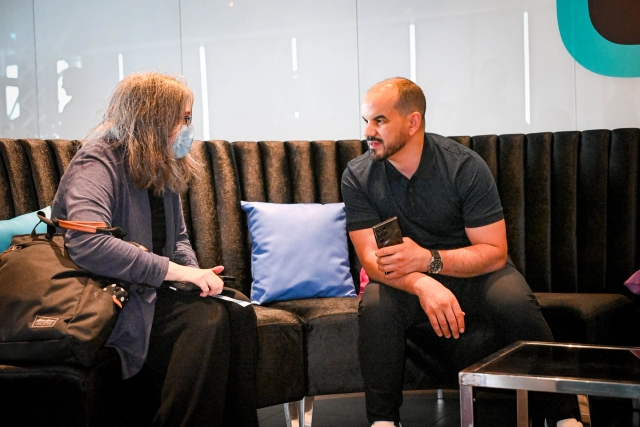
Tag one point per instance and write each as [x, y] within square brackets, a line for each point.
[158, 223]
[452, 189]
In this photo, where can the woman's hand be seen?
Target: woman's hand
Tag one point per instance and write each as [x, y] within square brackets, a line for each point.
[205, 278]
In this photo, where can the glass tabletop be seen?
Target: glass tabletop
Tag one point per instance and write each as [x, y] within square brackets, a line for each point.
[616, 364]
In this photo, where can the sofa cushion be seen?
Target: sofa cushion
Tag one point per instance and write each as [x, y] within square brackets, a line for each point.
[587, 318]
[280, 373]
[331, 342]
[298, 251]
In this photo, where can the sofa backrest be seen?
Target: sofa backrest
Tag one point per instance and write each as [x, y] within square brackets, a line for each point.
[570, 201]
[30, 171]
[293, 172]
[570, 198]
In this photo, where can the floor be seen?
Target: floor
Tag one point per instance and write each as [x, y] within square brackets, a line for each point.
[424, 409]
[420, 409]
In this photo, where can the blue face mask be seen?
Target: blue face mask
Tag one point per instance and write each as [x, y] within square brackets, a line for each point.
[183, 142]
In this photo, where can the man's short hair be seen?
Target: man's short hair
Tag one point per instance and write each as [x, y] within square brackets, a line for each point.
[410, 96]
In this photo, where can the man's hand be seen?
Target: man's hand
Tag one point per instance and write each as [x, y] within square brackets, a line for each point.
[399, 260]
[441, 307]
[487, 253]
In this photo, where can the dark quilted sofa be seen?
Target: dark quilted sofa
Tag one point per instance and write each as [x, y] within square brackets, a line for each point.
[571, 206]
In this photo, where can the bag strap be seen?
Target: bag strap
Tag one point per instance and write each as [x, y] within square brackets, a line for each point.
[92, 227]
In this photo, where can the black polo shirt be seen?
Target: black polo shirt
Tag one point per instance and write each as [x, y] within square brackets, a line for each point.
[452, 189]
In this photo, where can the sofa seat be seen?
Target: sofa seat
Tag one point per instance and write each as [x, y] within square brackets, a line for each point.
[588, 318]
[280, 374]
[331, 342]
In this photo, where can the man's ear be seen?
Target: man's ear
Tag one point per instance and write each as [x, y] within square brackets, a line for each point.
[415, 122]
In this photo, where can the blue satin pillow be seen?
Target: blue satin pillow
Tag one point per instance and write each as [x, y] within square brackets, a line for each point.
[22, 224]
[298, 251]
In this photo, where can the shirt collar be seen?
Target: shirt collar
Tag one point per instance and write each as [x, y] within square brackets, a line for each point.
[425, 167]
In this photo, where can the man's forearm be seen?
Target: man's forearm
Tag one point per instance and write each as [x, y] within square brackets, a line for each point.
[472, 260]
[469, 261]
[406, 283]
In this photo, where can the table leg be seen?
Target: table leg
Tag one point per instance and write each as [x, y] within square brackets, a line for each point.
[585, 412]
[523, 408]
[466, 406]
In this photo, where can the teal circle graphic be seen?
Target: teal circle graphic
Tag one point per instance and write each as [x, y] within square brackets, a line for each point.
[589, 48]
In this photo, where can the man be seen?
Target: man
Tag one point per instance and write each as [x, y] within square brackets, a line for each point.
[453, 258]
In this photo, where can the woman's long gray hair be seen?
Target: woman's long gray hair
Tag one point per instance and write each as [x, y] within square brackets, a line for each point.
[143, 112]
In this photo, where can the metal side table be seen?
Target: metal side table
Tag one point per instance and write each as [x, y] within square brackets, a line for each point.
[584, 370]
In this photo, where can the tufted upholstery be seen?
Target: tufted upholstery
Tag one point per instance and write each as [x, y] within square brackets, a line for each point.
[570, 202]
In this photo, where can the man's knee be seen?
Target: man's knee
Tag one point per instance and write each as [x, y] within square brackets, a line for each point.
[507, 289]
[381, 304]
[376, 300]
[512, 305]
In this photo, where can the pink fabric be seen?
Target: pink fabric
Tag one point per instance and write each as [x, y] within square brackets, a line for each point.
[633, 283]
[364, 279]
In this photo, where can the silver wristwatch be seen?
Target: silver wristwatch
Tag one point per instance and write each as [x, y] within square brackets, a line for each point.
[436, 262]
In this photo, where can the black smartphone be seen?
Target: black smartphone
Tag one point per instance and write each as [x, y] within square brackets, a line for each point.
[388, 233]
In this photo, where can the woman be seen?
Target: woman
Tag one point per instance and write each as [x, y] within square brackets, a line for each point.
[201, 352]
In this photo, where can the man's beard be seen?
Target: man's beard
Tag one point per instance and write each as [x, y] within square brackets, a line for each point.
[389, 148]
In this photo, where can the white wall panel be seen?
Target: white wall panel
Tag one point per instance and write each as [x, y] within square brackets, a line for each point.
[89, 36]
[18, 90]
[470, 62]
[254, 93]
[552, 72]
[606, 102]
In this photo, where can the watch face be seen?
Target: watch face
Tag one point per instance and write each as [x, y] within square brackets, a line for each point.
[435, 266]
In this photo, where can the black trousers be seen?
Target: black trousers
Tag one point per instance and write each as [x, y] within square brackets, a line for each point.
[202, 355]
[501, 299]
